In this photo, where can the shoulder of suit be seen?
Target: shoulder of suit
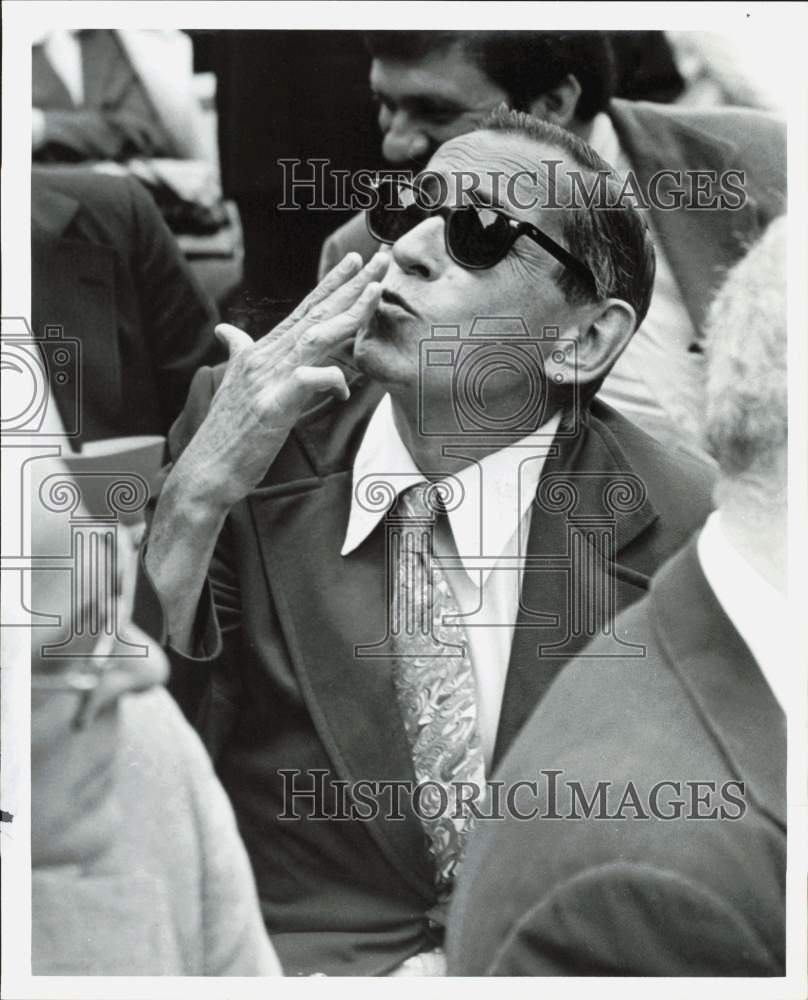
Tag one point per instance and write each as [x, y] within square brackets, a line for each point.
[352, 235]
[741, 125]
[622, 717]
[661, 470]
[585, 689]
[201, 391]
[110, 203]
[95, 190]
[351, 229]
[703, 923]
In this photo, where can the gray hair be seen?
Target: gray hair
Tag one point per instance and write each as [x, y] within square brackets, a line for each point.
[747, 400]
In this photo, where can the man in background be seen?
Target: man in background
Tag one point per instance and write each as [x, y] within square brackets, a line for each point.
[107, 272]
[113, 95]
[686, 876]
[432, 85]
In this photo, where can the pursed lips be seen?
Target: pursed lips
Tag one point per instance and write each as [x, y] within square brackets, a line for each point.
[392, 298]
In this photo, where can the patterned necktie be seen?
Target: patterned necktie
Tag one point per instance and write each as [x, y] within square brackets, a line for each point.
[436, 689]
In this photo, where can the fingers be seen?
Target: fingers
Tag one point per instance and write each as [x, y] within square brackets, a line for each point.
[323, 337]
[330, 379]
[350, 265]
[235, 340]
[344, 296]
[294, 396]
[336, 292]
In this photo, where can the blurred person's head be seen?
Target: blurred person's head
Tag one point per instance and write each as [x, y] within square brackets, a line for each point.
[434, 85]
[75, 692]
[593, 301]
[747, 402]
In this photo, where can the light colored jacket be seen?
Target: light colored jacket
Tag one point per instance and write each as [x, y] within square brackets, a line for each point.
[138, 867]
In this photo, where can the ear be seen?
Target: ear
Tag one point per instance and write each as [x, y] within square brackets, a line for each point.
[586, 353]
[559, 104]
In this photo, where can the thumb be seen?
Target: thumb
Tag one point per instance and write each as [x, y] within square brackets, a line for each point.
[235, 340]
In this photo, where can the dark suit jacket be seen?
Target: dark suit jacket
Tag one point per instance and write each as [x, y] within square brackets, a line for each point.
[281, 687]
[640, 897]
[107, 270]
[700, 244]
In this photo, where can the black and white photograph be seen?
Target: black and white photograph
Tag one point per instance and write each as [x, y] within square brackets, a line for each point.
[404, 498]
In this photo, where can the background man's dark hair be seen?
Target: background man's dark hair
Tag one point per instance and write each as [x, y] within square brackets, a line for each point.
[525, 64]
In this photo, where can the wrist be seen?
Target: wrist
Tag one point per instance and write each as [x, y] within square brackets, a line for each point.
[199, 501]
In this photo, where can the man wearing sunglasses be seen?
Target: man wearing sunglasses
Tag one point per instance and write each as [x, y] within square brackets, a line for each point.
[363, 596]
[433, 85]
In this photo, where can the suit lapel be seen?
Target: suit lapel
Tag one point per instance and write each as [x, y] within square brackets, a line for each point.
[105, 72]
[697, 242]
[723, 679]
[301, 526]
[587, 483]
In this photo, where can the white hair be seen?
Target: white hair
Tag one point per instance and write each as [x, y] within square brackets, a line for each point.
[747, 404]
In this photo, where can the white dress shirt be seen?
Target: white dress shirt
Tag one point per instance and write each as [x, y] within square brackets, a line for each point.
[488, 530]
[758, 610]
[63, 51]
[656, 381]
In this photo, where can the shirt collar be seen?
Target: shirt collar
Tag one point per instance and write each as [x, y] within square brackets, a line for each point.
[605, 141]
[497, 490]
[758, 610]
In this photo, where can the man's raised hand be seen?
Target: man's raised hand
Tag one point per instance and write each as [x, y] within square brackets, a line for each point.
[270, 383]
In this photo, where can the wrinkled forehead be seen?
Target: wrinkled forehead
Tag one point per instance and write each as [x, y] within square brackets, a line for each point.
[512, 172]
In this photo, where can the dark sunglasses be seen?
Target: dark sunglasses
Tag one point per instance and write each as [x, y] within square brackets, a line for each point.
[477, 237]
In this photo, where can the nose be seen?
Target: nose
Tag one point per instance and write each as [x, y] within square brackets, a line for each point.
[421, 251]
[403, 139]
